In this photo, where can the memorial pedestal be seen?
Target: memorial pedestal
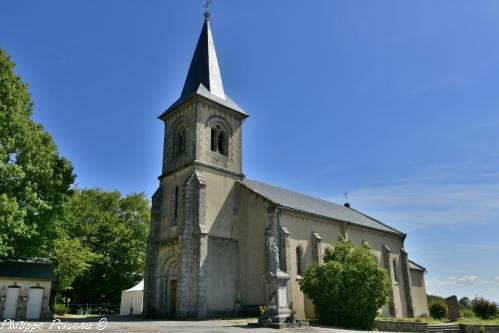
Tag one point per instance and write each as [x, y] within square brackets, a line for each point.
[278, 314]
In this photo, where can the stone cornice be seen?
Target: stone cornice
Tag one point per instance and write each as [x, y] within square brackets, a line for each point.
[202, 164]
[347, 223]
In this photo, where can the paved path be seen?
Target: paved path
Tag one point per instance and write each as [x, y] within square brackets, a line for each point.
[120, 324]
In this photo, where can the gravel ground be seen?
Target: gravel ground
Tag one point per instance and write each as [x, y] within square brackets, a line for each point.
[127, 324]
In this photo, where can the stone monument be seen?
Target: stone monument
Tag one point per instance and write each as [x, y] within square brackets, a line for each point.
[453, 308]
[277, 314]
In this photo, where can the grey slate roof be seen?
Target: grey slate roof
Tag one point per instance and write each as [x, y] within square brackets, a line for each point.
[307, 204]
[417, 267]
[204, 67]
[27, 269]
[204, 78]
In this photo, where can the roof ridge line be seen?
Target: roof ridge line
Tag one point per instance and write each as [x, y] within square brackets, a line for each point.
[374, 219]
[284, 205]
[300, 193]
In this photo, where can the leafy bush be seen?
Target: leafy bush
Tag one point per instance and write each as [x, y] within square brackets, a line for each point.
[349, 288]
[467, 313]
[484, 308]
[60, 309]
[438, 310]
[102, 310]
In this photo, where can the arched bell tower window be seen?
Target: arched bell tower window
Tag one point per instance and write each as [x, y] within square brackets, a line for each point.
[219, 140]
[179, 141]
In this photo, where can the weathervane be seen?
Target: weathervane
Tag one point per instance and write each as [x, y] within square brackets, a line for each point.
[206, 12]
[346, 197]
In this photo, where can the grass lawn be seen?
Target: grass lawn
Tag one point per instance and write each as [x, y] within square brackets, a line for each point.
[476, 320]
[431, 321]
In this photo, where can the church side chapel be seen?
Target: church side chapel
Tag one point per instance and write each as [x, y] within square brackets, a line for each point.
[220, 242]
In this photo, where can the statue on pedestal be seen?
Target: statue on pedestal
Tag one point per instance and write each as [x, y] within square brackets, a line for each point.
[274, 260]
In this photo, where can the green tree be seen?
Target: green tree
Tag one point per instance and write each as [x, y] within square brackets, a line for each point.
[464, 302]
[484, 308]
[115, 228]
[349, 288]
[34, 179]
[70, 259]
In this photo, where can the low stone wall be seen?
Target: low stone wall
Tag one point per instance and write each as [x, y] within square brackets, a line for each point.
[469, 328]
[400, 326]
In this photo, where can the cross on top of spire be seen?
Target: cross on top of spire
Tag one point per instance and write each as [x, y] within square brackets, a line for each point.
[206, 12]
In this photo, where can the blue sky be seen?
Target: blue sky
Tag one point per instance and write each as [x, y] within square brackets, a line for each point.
[395, 102]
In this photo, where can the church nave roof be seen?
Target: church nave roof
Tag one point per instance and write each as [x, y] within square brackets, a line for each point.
[307, 204]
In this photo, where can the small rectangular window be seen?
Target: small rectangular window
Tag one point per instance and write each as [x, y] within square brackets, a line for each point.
[175, 208]
[299, 267]
[395, 272]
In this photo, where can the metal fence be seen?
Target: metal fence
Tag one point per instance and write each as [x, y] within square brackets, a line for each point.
[94, 309]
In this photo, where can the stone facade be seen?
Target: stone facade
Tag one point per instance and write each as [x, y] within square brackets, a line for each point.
[400, 326]
[217, 245]
[193, 250]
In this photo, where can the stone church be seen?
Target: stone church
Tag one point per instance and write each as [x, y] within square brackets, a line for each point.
[221, 243]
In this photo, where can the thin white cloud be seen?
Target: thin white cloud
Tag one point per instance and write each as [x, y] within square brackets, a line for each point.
[453, 280]
[468, 285]
[444, 198]
[439, 196]
[467, 279]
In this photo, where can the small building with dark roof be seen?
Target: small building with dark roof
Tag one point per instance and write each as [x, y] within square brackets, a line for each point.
[25, 287]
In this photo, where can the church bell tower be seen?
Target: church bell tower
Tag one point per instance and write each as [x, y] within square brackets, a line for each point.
[202, 159]
[203, 127]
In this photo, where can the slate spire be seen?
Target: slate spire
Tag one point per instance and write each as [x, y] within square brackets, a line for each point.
[203, 78]
[204, 67]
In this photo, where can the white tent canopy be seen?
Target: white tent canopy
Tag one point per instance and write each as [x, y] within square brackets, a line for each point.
[132, 299]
